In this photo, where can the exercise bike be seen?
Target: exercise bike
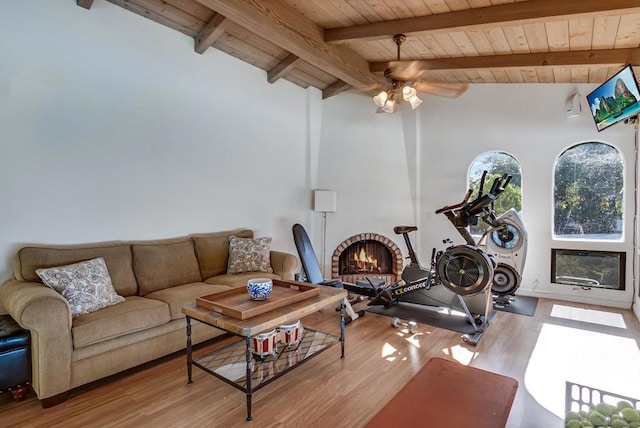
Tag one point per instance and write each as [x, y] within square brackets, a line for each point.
[460, 276]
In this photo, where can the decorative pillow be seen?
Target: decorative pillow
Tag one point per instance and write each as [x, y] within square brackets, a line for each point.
[249, 255]
[86, 285]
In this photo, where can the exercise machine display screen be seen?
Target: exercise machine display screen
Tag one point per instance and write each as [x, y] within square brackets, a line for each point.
[506, 238]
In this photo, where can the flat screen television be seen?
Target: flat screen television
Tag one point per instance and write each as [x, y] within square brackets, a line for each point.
[616, 100]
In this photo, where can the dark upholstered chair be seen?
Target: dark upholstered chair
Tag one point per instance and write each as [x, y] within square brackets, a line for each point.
[15, 362]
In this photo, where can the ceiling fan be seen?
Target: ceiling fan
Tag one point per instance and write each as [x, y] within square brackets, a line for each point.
[405, 84]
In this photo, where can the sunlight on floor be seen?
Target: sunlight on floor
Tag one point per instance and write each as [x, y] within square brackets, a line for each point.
[460, 354]
[413, 339]
[588, 315]
[388, 352]
[596, 360]
[391, 353]
[446, 311]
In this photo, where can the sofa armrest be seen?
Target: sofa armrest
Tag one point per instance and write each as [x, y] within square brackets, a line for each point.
[47, 316]
[284, 264]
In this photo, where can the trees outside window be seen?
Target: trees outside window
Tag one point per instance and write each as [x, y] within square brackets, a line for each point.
[588, 193]
[496, 164]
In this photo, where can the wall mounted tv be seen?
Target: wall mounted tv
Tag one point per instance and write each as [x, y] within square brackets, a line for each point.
[616, 100]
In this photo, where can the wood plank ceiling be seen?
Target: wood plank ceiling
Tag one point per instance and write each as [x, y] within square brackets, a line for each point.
[335, 45]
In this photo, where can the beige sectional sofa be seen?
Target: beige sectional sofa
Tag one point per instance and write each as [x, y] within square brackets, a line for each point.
[156, 278]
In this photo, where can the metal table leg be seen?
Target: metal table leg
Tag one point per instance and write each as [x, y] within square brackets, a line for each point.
[248, 377]
[189, 355]
[342, 328]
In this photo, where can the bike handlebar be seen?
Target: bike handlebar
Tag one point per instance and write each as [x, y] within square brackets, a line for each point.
[478, 205]
[456, 206]
[506, 182]
[481, 189]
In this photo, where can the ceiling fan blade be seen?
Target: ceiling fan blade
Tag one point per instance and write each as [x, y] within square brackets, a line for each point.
[371, 90]
[405, 70]
[449, 90]
[368, 88]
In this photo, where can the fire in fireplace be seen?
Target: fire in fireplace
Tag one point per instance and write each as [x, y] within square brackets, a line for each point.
[365, 257]
[367, 254]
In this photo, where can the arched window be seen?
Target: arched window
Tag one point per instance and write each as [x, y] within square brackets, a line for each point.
[588, 187]
[497, 164]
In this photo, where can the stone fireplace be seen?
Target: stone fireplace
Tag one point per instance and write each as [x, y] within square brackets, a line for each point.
[367, 254]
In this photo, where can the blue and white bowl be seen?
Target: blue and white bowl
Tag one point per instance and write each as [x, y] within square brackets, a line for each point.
[259, 288]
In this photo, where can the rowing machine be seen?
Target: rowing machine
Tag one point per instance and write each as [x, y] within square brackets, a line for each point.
[465, 271]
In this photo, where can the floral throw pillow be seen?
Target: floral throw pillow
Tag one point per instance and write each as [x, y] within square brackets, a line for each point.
[86, 285]
[249, 255]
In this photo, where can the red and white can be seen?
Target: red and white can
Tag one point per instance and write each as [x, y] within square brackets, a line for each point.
[264, 344]
[291, 334]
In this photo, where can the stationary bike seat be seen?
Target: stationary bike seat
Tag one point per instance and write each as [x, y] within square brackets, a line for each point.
[404, 229]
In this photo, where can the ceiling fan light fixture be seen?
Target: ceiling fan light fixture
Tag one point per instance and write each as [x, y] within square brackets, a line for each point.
[414, 101]
[386, 99]
[381, 98]
[408, 92]
[389, 106]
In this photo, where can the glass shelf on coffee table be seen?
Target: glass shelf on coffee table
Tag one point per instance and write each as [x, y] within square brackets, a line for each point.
[238, 366]
[229, 363]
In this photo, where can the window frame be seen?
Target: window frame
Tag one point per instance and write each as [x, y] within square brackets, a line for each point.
[622, 267]
[576, 237]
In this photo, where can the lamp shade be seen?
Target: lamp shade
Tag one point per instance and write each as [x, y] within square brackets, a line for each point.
[381, 98]
[414, 101]
[325, 201]
[389, 106]
[408, 92]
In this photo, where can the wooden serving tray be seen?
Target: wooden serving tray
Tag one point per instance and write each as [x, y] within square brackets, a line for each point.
[236, 303]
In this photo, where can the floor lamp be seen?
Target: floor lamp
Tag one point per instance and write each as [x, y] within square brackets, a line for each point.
[324, 201]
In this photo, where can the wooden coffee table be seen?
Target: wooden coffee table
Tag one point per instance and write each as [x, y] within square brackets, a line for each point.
[235, 363]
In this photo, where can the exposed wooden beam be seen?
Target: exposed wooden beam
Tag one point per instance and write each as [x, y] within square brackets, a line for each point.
[85, 3]
[603, 57]
[144, 12]
[210, 33]
[282, 68]
[512, 13]
[287, 28]
[334, 89]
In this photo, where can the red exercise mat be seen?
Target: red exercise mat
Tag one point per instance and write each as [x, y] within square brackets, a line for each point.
[445, 393]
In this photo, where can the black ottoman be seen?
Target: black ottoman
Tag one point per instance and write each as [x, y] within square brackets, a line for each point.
[15, 361]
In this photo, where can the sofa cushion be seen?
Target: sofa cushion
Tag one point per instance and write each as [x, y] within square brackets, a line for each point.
[162, 265]
[239, 279]
[212, 250]
[134, 314]
[116, 255]
[183, 295]
[249, 255]
[86, 285]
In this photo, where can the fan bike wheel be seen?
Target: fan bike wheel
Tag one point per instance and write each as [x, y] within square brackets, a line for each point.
[505, 280]
[465, 270]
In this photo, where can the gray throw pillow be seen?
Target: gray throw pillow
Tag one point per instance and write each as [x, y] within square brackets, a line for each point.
[86, 285]
[249, 255]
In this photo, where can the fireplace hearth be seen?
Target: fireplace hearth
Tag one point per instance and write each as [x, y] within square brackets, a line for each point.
[367, 254]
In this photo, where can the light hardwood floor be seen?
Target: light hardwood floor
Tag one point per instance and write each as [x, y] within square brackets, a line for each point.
[541, 352]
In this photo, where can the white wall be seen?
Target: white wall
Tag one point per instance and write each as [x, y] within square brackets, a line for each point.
[529, 122]
[363, 158]
[113, 128]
